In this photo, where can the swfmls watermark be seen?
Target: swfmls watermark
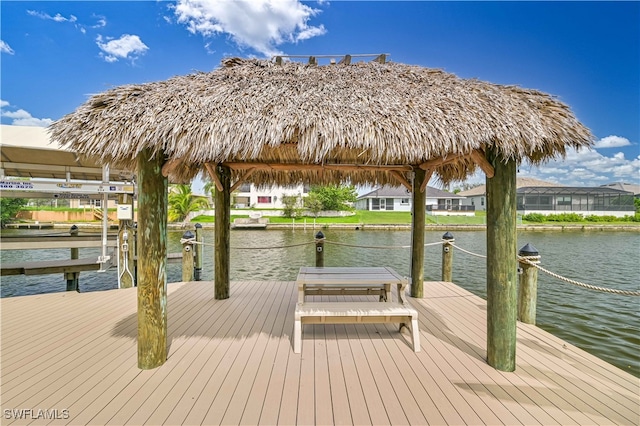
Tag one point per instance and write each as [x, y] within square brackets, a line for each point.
[35, 414]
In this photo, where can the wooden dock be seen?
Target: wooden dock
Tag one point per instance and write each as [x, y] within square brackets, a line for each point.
[29, 225]
[50, 266]
[74, 357]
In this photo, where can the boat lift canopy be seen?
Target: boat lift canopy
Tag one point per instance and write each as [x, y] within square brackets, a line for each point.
[33, 167]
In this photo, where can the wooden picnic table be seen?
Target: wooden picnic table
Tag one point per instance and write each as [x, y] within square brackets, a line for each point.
[353, 281]
[349, 281]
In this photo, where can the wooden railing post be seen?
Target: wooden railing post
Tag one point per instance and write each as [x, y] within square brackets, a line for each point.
[197, 271]
[447, 257]
[187, 256]
[528, 284]
[73, 278]
[319, 249]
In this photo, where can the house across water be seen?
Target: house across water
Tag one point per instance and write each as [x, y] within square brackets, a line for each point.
[389, 198]
[535, 196]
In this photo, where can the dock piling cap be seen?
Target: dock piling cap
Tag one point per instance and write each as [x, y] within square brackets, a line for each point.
[528, 250]
[319, 235]
[447, 236]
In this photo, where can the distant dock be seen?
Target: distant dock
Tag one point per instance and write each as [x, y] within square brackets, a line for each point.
[254, 221]
[30, 225]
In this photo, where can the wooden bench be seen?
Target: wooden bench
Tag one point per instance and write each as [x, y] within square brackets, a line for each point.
[355, 312]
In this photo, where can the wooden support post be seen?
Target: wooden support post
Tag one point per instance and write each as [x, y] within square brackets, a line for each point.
[528, 284]
[418, 211]
[319, 250]
[501, 264]
[222, 232]
[74, 231]
[447, 257]
[152, 257]
[197, 270]
[73, 278]
[126, 240]
[187, 256]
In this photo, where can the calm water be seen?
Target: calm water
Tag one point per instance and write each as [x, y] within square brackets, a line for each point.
[604, 324]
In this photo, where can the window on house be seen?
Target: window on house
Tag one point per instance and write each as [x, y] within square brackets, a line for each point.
[404, 201]
[389, 204]
[482, 201]
[264, 200]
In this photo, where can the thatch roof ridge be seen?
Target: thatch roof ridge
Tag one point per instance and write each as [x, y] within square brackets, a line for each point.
[257, 110]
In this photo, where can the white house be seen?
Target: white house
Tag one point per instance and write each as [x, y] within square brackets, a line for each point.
[250, 195]
[388, 198]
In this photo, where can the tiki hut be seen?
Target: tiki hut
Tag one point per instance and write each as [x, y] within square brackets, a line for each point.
[284, 122]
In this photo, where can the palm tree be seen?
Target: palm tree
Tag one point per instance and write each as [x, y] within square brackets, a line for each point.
[182, 201]
[210, 189]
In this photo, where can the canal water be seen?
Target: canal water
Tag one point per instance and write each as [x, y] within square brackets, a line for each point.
[604, 324]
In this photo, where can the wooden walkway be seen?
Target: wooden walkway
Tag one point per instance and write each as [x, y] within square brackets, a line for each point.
[73, 356]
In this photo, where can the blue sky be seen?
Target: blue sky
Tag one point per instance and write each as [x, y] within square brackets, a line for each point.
[56, 54]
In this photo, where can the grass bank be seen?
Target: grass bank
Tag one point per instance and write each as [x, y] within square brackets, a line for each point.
[362, 217]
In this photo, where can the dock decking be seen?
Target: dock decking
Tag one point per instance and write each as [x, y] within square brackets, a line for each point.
[74, 356]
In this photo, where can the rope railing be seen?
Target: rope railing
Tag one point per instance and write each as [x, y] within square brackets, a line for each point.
[578, 283]
[531, 260]
[193, 241]
[535, 260]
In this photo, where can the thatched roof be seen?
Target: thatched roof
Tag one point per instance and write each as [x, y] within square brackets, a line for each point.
[362, 113]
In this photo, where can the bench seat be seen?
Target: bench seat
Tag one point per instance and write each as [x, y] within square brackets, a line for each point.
[355, 312]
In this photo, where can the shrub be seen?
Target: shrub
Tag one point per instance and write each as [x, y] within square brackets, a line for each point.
[565, 217]
[534, 217]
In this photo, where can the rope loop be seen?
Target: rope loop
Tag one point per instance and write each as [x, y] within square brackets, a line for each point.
[529, 259]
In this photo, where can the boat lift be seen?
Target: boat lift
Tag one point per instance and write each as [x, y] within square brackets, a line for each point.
[33, 167]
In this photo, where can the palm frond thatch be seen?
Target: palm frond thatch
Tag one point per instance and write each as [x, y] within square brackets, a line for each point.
[363, 113]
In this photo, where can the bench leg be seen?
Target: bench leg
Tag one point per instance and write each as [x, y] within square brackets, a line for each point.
[297, 336]
[415, 335]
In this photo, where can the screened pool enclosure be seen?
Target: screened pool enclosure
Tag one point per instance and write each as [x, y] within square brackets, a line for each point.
[587, 201]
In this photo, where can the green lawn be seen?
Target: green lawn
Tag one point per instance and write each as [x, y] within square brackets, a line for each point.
[404, 218]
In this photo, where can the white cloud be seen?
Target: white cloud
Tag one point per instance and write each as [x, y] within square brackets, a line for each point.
[588, 168]
[3, 103]
[612, 142]
[126, 47]
[23, 118]
[5, 48]
[57, 17]
[582, 168]
[102, 22]
[261, 25]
